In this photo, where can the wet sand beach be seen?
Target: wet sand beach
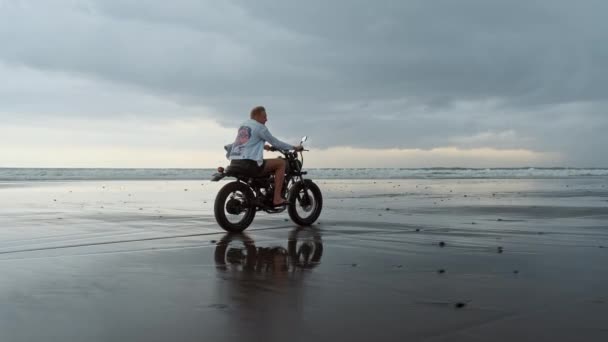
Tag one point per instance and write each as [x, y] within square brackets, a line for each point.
[389, 260]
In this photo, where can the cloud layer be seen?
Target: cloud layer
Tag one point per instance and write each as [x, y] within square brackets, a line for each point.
[470, 74]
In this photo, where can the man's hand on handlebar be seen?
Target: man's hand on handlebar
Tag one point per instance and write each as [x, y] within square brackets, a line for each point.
[298, 148]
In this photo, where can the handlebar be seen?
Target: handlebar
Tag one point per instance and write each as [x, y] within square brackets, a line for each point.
[274, 149]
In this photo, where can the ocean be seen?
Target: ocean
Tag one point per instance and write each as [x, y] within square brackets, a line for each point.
[76, 174]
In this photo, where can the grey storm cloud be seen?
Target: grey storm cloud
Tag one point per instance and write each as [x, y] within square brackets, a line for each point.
[383, 74]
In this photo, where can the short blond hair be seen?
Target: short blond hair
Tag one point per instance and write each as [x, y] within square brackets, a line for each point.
[257, 111]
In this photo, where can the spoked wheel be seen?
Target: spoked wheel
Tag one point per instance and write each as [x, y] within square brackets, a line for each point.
[305, 203]
[234, 208]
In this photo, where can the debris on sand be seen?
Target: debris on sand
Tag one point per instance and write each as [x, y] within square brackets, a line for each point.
[441, 244]
[387, 209]
[417, 229]
[499, 249]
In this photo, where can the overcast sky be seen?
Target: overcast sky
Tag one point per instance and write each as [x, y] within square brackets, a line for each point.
[156, 83]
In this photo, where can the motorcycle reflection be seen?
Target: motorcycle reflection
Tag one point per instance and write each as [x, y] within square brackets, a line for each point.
[265, 287]
[238, 252]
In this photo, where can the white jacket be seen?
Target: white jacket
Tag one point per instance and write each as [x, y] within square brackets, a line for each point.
[249, 142]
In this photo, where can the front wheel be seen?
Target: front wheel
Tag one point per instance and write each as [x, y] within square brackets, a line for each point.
[234, 207]
[305, 203]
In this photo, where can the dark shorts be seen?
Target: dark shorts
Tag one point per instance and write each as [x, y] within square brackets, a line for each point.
[247, 167]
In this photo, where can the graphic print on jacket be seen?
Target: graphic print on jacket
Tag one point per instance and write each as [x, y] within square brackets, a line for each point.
[242, 138]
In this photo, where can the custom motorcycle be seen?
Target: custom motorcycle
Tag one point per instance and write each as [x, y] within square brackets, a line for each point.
[238, 201]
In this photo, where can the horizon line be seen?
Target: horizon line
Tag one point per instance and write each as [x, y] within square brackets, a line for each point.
[314, 168]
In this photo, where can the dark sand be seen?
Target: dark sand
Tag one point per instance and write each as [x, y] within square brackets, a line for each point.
[145, 261]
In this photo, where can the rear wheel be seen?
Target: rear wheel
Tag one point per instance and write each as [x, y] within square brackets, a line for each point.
[234, 208]
[305, 203]
[236, 251]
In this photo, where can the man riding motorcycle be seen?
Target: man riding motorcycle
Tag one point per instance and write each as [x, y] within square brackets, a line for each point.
[246, 153]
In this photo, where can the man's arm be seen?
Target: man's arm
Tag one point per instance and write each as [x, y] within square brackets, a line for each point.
[265, 134]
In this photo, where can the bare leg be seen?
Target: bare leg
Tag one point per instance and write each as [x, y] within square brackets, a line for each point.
[276, 166]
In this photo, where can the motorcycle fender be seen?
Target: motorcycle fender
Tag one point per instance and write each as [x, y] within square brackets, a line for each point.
[217, 176]
[306, 181]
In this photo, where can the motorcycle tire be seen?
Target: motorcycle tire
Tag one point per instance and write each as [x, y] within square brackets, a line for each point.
[220, 207]
[294, 202]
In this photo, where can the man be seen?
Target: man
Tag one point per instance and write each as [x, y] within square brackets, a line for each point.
[247, 151]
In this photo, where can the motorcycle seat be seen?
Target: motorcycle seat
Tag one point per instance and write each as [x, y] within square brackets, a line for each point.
[240, 172]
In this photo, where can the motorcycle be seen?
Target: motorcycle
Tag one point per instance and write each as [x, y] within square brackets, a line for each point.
[238, 201]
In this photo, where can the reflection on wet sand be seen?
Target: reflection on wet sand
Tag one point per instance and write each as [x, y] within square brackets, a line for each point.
[139, 261]
[263, 285]
[239, 252]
